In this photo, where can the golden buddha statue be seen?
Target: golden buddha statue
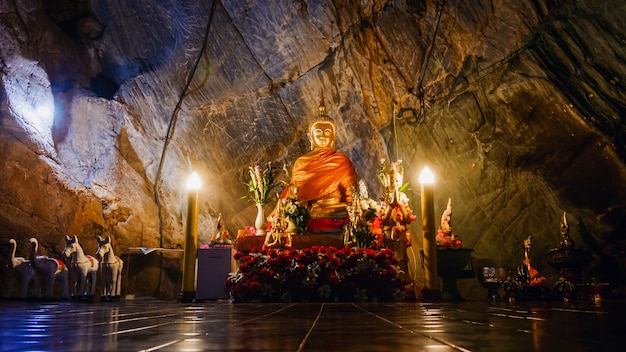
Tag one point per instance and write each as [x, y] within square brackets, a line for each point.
[323, 178]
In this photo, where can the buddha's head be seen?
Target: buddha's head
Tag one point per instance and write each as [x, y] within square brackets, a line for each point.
[322, 134]
[323, 131]
[397, 174]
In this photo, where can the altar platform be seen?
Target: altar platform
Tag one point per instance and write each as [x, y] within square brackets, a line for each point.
[246, 243]
[155, 325]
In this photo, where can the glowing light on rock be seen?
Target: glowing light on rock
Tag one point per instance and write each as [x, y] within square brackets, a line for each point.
[30, 99]
[44, 112]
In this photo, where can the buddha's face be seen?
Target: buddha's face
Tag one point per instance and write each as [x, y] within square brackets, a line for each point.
[322, 135]
[396, 179]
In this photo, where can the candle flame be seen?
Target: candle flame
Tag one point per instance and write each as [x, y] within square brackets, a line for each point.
[427, 177]
[193, 182]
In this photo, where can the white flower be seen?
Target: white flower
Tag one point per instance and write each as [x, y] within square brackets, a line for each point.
[363, 190]
[290, 208]
[374, 204]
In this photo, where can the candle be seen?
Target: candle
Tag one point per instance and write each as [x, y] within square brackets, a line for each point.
[188, 290]
[427, 180]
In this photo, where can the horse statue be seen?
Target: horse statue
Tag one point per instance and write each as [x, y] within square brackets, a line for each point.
[83, 268]
[47, 271]
[110, 269]
[21, 269]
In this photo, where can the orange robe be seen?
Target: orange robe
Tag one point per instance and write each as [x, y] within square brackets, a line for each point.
[324, 175]
[323, 178]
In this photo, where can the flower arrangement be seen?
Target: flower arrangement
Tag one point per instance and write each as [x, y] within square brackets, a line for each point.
[261, 183]
[315, 274]
[361, 231]
[296, 213]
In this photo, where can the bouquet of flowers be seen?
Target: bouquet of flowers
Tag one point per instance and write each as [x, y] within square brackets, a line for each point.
[261, 183]
[315, 274]
[296, 213]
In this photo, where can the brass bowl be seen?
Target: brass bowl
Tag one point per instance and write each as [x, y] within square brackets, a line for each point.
[492, 274]
[491, 278]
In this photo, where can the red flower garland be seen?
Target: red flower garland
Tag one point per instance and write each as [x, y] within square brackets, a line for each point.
[315, 274]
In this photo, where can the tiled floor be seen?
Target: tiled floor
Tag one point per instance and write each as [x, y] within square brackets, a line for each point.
[152, 325]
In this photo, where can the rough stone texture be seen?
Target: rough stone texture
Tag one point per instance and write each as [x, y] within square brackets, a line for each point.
[517, 106]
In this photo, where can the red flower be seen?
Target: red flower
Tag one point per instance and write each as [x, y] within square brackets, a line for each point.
[317, 273]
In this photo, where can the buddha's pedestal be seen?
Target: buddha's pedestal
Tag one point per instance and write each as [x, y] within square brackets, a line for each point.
[245, 242]
[453, 263]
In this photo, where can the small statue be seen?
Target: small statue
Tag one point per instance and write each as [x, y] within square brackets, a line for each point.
[510, 286]
[445, 236]
[446, 220]
[397, 215]
[111, 267]
[534, 278]
[279, 225]
[21, 270]
[528, 242]
[222, 236]
[564, 288]
[83, 268]
[363, 230]
[566, 241]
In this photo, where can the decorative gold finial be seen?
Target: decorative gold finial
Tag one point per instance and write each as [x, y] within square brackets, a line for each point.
[323, 116]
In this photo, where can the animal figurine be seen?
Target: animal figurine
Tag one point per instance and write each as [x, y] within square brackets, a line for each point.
[110, 269]
[21, 269]
[48, 271]
[83, 268]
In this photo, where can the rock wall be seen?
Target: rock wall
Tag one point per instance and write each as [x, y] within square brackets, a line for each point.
[517, 107]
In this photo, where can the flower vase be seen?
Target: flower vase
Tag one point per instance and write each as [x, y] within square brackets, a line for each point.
[260, 223]
[292, 228]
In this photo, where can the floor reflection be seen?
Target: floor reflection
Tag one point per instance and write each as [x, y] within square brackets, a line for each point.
[150, 325]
